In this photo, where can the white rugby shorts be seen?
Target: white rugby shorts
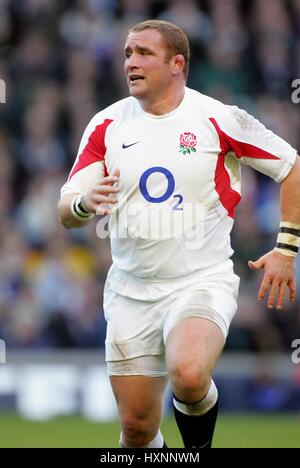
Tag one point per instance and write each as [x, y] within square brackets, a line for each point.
[140, 313]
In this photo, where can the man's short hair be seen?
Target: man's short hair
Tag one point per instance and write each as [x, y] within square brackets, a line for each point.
[175, 39]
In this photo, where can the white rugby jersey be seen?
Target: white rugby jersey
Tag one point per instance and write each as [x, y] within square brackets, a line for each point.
[180, 179]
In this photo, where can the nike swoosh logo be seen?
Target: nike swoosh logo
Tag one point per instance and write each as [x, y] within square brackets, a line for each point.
[202, 446]
[128, 146]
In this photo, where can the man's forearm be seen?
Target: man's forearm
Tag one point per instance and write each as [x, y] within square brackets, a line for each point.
[290, 196]
[65, 214]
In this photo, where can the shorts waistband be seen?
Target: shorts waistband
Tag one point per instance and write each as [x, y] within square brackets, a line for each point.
[220, 269]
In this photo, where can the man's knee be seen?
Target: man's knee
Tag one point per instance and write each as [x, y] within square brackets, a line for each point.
[137, 430]
[190, 383]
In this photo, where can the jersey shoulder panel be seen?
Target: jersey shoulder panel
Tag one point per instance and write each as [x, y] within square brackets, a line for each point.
[244, 136]
[209, 106]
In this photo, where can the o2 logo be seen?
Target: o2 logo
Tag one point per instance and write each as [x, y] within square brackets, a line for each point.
[168, 193]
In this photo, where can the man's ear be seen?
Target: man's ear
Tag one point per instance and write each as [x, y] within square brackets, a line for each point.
[178, 63]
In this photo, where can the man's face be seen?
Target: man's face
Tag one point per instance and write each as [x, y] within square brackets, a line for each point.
[147, 68]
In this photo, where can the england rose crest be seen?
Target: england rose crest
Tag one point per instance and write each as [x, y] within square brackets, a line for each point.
[188, 141]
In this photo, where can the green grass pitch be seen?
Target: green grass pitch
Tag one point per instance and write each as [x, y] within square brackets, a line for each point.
[237, 431]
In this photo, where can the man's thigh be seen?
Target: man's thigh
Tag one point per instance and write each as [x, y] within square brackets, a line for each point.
[194, 345]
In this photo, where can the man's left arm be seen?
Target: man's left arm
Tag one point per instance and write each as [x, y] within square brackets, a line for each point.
[279, 264]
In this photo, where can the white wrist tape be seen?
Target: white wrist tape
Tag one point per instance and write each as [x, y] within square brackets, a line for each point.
[288, 240]
[79, 210]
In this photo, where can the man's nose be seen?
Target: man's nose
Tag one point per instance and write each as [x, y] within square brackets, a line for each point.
[132, 62]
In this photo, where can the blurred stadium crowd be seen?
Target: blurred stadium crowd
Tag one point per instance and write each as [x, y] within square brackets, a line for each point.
[62, 62]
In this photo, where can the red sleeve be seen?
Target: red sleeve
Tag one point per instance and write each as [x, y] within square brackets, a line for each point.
[94, 150]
